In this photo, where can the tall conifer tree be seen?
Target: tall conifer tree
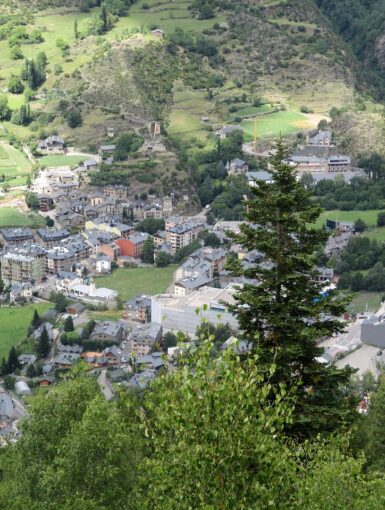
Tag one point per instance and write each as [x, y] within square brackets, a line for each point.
[286, 313]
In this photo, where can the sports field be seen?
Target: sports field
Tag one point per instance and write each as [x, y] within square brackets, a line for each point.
[14, 322]
[274, 124]
[137, 281]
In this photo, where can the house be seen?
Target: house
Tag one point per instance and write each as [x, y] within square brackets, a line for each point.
[153, 211]
[321, 139]
[138, 309]
[237, 167]
[325, 274]
[27, 359]
[339, 164]
[153, 361]
[132, 247]
[109, 331]
[261, 175]
[113, 355]
[65, 360]
[188, 285]
[111, 251]
[38, 331]
[225, 131]
[143, 338]
[90, 164]
[157, 33]
[103, 265]
[71, 219]
[96, 198]
[51, 144]
[20, 293]
[106, 151]
[90, 212]
[337, 242]
[304, 163]
[75, 309]
[46, 202]
[141, 379]
[116, 191]
[46, 381]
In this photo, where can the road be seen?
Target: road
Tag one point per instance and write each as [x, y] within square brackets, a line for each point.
[105, 385]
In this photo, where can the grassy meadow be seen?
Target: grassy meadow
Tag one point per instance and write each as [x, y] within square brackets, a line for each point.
[14, 165]
[14, 322]
[132, 282]
[12, 217]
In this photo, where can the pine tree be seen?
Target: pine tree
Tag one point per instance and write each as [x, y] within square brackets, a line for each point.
[69, 324]
[13, 361]
[286, 313]
[36, 320]
[43, 346]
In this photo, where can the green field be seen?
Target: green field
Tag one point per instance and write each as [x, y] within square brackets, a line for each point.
[167, 15]
[13, 165]
[365, 300]
[274, 124]
[12, 217]
[60, 160]
[369, 217]
[14, 322]
[142, 280]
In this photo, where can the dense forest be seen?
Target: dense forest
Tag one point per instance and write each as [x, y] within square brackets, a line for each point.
[361, 23]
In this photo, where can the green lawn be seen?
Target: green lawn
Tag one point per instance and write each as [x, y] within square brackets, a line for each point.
[14, 322]
[274, 124]
[60, 160]
[369, 217]
[14, 165]
[365, 300]
[167, 15]
[11, 217]
[142, 280]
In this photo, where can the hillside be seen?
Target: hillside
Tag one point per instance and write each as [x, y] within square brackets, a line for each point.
[276, 67]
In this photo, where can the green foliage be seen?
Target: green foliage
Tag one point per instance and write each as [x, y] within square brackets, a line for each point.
[69, 324]
[5, 111]
[284, 315]
[32, 200]
[381, 219]
[43, 345]
[12, 361]
[150, 225]
[76, 451]
[371, 431]
[61, 302]
[36, 319]
[163, 259]
[360, 225]
[148, 250]
[74, 119]
[15, 85]
[126, 144]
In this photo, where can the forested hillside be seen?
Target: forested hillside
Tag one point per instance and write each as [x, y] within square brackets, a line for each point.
[361, 24]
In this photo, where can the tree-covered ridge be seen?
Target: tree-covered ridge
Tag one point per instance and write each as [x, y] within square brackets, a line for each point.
[361, 24]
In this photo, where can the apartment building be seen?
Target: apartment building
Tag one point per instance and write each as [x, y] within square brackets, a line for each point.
[21, 267]
[183, 234]
[50, 237]
[15, 236]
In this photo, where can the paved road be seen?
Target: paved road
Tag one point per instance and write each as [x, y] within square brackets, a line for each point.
[105, 385]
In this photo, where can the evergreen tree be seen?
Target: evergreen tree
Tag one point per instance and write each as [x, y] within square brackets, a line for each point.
[13, 361]
[148, 251]
[371, 433]
[36, 320]
[69, 324]
[286, 314]
[43, 346]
